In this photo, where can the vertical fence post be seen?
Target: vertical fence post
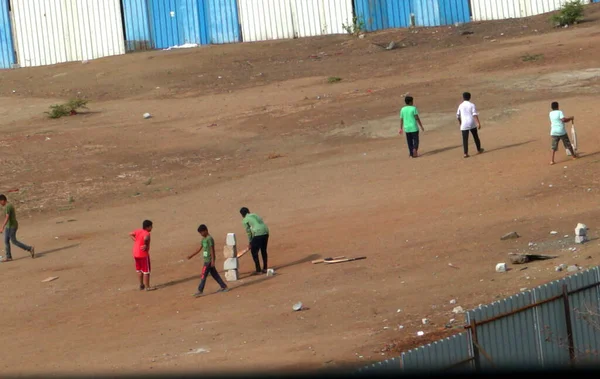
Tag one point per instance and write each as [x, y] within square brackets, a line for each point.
[569, 324]
[476, 342]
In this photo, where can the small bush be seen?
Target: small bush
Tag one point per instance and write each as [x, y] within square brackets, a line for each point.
[569, 14]
[68, 109]
[333, 79]
[356, 28]
[532, 58]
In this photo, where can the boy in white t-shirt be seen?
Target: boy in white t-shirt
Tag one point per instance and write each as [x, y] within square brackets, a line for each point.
[468, 119]
[558, 131]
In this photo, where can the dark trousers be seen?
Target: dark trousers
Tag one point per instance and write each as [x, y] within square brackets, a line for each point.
[465, 135]
[412, 139]
[206, 269]
[259, 243]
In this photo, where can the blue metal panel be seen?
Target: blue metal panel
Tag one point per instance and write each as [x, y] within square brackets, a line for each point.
[426, 12]
[188, 22]
[163, 18]
[453, 11]
[439, 355]
[221, 21]
[7, 51]
[137, 26]
[383, 14]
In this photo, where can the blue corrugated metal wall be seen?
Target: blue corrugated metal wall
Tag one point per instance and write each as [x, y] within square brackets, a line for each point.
[452, 11]
[384, 14]
[7, 51]
[221, 20]
[178, 22]
[137, 25]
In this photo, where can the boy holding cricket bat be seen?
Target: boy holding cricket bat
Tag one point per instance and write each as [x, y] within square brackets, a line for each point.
[558, 131]
[208, 254]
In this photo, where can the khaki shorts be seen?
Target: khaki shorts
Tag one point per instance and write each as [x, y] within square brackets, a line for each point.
[565, 140]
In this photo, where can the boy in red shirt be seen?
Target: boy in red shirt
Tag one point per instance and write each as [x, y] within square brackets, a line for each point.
[141, 254]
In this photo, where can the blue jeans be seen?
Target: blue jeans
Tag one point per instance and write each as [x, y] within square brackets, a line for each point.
[10, 235]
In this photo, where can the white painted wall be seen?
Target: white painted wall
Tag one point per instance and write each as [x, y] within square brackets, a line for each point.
[263, 20]
[56, 31]
[281, 19]
[321, 17]
[484, 10]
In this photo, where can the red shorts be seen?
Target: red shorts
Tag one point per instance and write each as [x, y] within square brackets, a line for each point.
[142, 265]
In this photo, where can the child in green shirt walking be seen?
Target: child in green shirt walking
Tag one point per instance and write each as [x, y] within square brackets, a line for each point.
[208, 249]
[409, 118]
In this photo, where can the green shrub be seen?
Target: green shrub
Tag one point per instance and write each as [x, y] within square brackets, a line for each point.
[333, 79]
[68, 109]
[569, 14]
[356, 28]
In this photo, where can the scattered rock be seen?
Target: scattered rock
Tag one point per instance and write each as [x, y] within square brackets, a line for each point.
[501, 267]
[425, 321]
[453, 301]
[399, 310]
[147, 115]
[466, 33]
[361, 36]
[270, 272]
[511, 235]
[523, 289]
[452, 320]
[458, 310]
[581, 239]
[581, 230]
[391, 46]
[531, 244]
[554, 232]
[52, 278]
[572, 268]
[297, 307]
[420, 333]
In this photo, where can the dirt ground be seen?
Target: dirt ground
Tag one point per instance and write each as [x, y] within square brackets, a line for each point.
[258, 125]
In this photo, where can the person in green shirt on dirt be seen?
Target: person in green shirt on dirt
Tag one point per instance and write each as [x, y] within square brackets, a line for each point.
[409, 117]
[9, 227]
[258, 237]
[209, 257]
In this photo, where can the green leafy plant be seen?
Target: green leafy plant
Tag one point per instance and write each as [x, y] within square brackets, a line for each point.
[569, 14]
[333, 79]
[68, 109]
[356, 27]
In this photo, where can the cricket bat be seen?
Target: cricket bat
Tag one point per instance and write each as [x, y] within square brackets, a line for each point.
[573, 140]
[317, 261]
[344, 260]
[242, 253]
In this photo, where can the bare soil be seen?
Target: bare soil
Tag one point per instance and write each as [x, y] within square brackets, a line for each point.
[258, 125]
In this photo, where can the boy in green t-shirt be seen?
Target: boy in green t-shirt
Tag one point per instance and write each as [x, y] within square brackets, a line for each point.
[409, 117]
[208, 249]
[10, 227]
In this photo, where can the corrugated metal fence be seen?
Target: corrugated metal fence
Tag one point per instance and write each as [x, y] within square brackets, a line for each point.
[55, 31]
[42, 32]
[556, 324]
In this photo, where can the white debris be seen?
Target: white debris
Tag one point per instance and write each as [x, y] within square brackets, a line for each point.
[184, 46]
[425, 321]
[453, 301]
[501, 267]
[458, 310]
[452, 320]
[572, 268]
[554, 232]
[523, 289]
[400, 326]
[399, 310]
[420, 334]
[147, 115]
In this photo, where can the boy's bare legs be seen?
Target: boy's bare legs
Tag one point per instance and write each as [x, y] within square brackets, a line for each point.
[552, 160]
[573, 155]
[147, 283]
[141, 278]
